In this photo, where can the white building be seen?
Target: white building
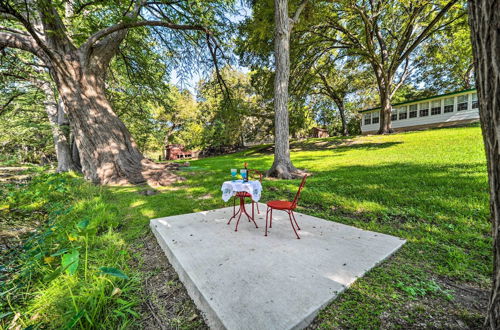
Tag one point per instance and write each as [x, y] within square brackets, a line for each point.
[436, 111]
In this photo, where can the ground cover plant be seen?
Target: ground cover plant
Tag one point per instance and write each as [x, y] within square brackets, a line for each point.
[86, 266]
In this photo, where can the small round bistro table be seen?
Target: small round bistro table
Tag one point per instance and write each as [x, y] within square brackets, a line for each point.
[236, 188]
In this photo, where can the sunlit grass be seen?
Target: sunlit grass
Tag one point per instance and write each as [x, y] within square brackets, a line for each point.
[428, 187]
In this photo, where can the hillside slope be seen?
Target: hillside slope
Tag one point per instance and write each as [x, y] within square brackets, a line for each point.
[429, 187]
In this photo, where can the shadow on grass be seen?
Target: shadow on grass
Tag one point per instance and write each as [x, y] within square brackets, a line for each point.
[340, 145]
[324, 144]
[449, 190]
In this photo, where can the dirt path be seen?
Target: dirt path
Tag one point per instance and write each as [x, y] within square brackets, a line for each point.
[166, 304]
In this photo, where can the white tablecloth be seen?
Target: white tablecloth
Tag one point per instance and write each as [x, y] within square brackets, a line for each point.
[230, 188]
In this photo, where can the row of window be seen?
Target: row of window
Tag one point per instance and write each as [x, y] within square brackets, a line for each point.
[422, 109]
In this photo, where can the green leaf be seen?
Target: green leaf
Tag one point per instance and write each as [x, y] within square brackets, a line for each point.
[75, 319]
[70, 261]
[58, 253]
[83, 224]
[53, 275]
[3, 315]
[113, 272]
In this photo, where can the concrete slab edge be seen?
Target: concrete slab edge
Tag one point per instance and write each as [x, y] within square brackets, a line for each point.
[312, 315]
[208, 314]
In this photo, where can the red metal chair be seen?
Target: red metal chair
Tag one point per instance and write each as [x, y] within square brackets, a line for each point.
[286, 206]
[244, 194]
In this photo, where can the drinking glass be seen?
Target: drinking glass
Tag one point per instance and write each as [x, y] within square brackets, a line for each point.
[244, 173]
[233, 173]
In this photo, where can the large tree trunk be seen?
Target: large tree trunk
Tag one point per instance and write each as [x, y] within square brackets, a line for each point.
[282, 166]
[484, 19]
[107, 151]
[385, 112]
[58, 125]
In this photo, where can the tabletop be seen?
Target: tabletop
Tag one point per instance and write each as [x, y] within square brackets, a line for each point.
[230, 188]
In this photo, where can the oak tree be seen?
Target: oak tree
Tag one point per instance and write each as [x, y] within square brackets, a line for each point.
[384, 34]
[77, 41]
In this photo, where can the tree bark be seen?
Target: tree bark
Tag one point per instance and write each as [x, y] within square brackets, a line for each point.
[282, 166]
[385, 112]
[55, 114]
[107, 152]
[484, 20]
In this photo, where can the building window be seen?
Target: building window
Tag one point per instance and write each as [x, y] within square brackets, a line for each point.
[436, 108]
[424, 109]
[368, 119]
[475, 103]
[462, 103]
[375, 117]
[448, 105]
[403, 114]
[394, 114]
[413, 111]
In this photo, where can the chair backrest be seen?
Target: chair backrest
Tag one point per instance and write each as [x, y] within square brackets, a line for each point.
[296, 199]
[256, 172]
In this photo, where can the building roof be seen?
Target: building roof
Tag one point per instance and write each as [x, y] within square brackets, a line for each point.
[422, 99]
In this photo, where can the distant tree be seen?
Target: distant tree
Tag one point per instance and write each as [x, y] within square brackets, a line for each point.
[176, 116]
[329, 74]
[445, 62]
[484, 20]
[232, 121]
[21, 75]
[385, 34]
[25, 133]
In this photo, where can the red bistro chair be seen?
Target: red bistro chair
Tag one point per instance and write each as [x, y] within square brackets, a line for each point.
[244, 194]
[286, 206]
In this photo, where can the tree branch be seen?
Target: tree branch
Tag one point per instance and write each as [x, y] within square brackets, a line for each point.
[300, 8]
[127, 25]
[7, 9]
[9, 101]
[4, 28]
[406, 72]
[222, 83]
[15, 40]
[427, 30]
[55, 32]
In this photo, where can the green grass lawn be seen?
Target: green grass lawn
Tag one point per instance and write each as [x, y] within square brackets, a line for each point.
[427, 187]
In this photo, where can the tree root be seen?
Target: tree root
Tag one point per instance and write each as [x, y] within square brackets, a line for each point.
[283, 172]
[156, 174]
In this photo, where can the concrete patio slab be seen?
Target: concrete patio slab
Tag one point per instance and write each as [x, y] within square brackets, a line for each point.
[244, 280]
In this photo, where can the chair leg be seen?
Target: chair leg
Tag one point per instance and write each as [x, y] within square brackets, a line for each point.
[291, 222]
[271, 222]
[293, 216]
[267, 215]
[258, 211]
